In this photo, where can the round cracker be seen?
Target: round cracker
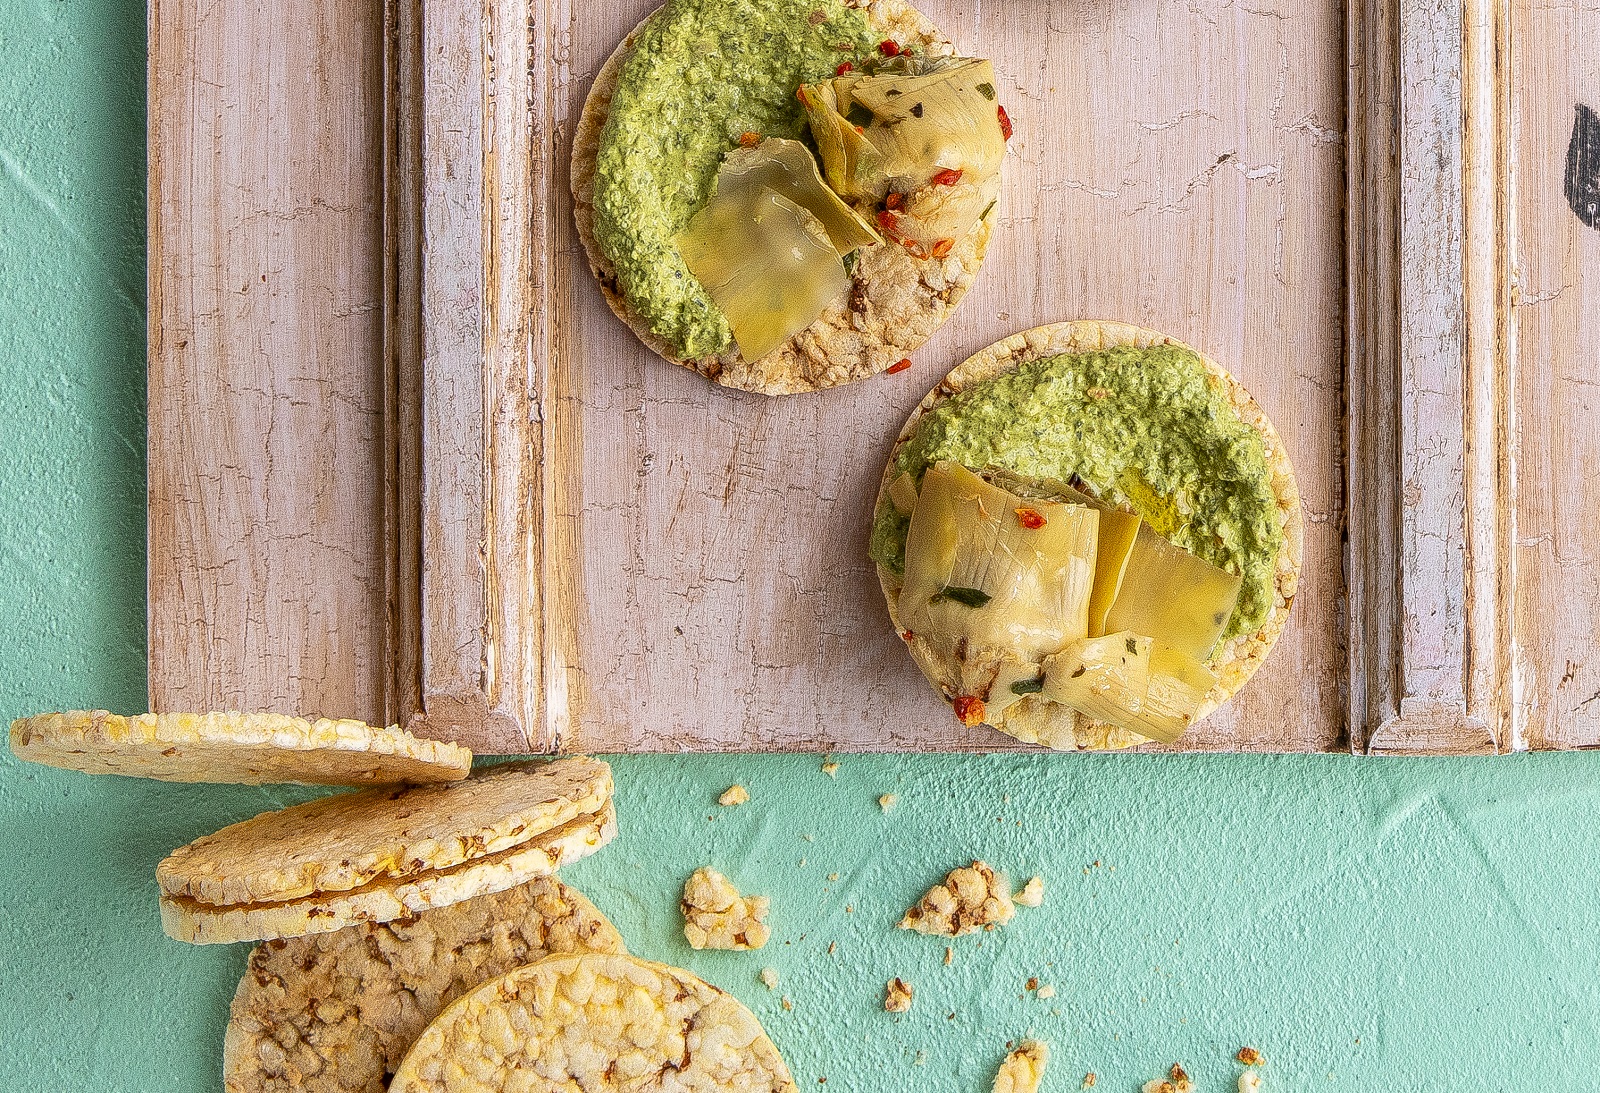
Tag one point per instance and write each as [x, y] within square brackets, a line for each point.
[343, 842]
[336, 1012]
[385, 900]
[247, 748]
[1032, 719]
[895, 301]
[594, 1022]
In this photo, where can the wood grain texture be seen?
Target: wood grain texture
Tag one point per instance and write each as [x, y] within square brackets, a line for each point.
[1555, 328]
[1428, 459]
[267, 554]
[716, 593]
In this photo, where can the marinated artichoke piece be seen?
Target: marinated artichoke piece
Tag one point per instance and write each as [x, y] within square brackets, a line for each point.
[1168, 592]
[993, 583]
[903, 494]
[929, 144]
[1119, 531]
[788, 168]
[767, 263]
[1127, 679]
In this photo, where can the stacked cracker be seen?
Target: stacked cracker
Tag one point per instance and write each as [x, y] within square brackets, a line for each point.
[414, 929]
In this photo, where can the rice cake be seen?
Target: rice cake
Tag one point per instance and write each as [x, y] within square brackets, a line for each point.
[336, 1012]
[894, 304]
[245, 748]
[594, 1022]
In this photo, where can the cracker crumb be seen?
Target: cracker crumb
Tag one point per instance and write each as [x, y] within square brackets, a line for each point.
[1249, 1056]
[1032, 984]
[887, 801]
[1023, 1068]
[832, 945]
[787, 1004]
[970, 898]
[1088, 1081]
[949, 955]
[1249, 1082]
[897, 996]
[716, 916]
[833, 876]
[769, 976]
[1032, 894]
[1177, 1081]
[1047, 991]
[831, 768]
[734, 795]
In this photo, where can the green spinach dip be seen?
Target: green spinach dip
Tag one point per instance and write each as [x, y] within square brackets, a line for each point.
[702, 72]
[1143, 427]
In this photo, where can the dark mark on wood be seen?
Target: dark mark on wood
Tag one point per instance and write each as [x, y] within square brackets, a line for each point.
[1583, 167]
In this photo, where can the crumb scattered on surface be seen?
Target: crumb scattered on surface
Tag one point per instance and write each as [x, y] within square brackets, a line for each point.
[1088, 1081]
[921, 1059]
[1032, 984]
[833, 876]
[1249, 1056]
[832, 945]
[1023, 1068]
[949, 954]
[769, 976]
[887, 801]
[1249, 1082]
[1047, 991]
[970, 898]
[787, 1003]
[897, 996]
[830, 768]
[734, 795]
[1032, 894]
[716, 916]
[1176, 1082]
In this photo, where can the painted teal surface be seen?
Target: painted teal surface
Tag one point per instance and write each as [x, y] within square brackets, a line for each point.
[1368, 925]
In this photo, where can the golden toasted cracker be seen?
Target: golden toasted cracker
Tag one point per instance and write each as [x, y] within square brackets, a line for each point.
[970, 898]
[340, 843]
[1033, 719]
[336, 1012]
[248, 748]
[1023, 1069]
[389, 898]
[594, 1022]
[895, 301]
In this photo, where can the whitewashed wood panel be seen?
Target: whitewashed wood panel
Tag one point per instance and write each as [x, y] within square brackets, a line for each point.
[267, 473]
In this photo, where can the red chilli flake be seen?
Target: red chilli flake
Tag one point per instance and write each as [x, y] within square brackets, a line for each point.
[889, 47]
[943, 247]
[948, 177]
[886, 221]
[843, 68]
[969, 709]
[1032, 519]
[894, 200]
[906, 635]
[899, 366]
[1005, 122]
[748, 139]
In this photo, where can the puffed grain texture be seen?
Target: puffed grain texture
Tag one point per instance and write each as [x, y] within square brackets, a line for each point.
[387, 899]
[970, 898]
[341, 843]
[336, 1012]
[244, 748]
[594, 1022]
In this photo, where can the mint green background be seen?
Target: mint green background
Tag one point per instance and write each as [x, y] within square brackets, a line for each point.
[1369, 925]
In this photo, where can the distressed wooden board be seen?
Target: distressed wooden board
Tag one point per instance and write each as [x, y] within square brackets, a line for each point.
[268, 473]
[1555, 327]
[493, 514]
[715, 542]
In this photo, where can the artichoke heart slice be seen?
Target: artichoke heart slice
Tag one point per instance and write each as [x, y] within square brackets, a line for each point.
[788, 167]
[1166, 591]
[903, 493]
[993, 575]
[765, 261]
[933, 137]
[1130, 680]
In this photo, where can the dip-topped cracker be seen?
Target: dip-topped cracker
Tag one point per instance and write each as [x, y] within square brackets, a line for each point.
[787, 195]
[594, 1022]
[382, 854]
[247, 748]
